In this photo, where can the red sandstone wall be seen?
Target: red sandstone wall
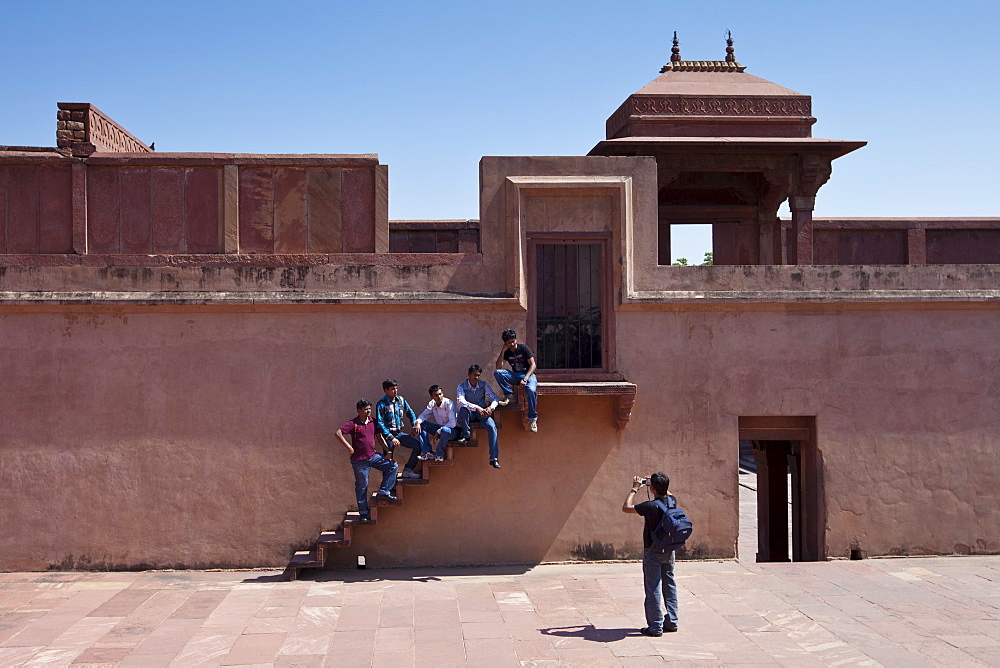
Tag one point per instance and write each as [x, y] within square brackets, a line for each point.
[905, 404]
[198, 439]
[158, 203]
[35, 209]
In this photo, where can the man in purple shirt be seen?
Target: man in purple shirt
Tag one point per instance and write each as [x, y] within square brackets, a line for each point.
[364, 458]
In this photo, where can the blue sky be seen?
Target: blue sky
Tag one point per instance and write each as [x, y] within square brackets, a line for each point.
[431, 87]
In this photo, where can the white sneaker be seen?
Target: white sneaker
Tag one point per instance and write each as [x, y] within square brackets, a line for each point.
[533, 426]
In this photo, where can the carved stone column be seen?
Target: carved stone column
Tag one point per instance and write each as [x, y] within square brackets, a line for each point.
[813, 171]
[801, 248]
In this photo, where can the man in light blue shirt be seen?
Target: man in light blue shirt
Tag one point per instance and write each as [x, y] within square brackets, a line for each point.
[477, 401]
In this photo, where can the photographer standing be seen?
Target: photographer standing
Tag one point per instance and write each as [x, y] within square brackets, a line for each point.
[657, 567]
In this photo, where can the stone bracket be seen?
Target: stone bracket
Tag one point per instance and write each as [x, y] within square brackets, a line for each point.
[623, 392]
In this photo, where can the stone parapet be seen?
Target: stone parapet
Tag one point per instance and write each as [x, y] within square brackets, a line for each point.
[85, 129]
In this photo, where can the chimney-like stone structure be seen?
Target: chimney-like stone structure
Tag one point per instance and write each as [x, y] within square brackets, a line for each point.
[83, 129]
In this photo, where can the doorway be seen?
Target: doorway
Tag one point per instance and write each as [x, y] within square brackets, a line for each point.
[781, 452]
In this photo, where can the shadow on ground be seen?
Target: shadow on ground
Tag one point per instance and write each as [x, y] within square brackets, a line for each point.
[429, 574]
[590, 632]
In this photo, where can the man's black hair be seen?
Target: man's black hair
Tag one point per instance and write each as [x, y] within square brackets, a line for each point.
[362, 403]
[508, 334]
[660, 483]
[475, 367]
[388, 382]
[433, 388]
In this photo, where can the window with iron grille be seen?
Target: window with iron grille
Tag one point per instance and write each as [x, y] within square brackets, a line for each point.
[569, 319]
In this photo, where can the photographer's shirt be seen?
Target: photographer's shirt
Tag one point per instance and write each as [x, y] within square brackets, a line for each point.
[652, 514]
[518, 358]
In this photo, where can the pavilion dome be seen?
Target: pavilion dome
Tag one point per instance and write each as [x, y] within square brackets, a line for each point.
[711, 98]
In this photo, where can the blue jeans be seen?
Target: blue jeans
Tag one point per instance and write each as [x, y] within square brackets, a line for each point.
[406, 441]
[465, 416]
[361, 469]
[428, 429]
[657, 573]
[508, 380]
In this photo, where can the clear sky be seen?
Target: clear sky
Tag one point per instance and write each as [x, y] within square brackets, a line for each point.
[431, 87]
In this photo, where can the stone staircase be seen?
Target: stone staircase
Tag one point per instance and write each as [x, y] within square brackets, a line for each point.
[329, 540]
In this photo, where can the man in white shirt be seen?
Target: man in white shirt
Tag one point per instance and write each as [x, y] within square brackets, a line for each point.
[438, 418]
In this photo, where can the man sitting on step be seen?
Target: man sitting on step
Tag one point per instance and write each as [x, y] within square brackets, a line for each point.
[477, 401]
[389, 413]
[438, 418]
[364, 457]
[521, 374]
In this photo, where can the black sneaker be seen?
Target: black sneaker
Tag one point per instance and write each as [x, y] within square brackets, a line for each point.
[464, 437]
[669, 628]
[385, 495]
[495, 463]
[652, 633]
[424, 456]
[364, 519]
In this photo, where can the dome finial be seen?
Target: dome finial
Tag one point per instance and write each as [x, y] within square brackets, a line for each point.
[730, 51]
[675, 50]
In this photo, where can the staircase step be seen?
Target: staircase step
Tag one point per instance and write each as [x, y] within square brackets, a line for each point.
[412, 481]
[377, 501]
[447, 462]
[333, 539]
[354, 519]
[306, 559]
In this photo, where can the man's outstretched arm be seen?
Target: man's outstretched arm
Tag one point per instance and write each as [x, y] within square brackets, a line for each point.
[629, 506]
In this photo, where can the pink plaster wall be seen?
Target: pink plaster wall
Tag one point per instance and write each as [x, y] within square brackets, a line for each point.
[906, 406]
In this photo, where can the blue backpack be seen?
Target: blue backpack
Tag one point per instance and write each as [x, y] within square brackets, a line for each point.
[674, 527]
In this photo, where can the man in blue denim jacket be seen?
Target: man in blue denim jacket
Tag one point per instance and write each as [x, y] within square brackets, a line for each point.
[389, 414]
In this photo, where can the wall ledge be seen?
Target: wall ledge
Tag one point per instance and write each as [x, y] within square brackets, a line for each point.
[622, 391]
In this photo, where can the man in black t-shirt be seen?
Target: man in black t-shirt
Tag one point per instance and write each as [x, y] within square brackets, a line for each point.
[522, 372]
[657, 567]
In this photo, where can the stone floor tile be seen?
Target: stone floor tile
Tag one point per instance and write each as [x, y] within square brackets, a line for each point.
[990, 656]
[396, 616]
[300, 661]
[164, 643]
[484, 630]
[528, 650]
[394, 659]
[52, 657]
[970, 640]
[199, 605]
[589, 657]
[105, 655]
[122, 603]
[256, 648]
[351, 648]
[491, 652]
[642, 661]
[394, 639]
[203, 650]
[269, 625]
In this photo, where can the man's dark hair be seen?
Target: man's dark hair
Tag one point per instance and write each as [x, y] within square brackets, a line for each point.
[388, 382]
[508, 334]
[362, 403]
[433, 388]
[660, 483]
[475, 367]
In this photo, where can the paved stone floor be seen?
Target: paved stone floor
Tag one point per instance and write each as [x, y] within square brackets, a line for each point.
[913, 612]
